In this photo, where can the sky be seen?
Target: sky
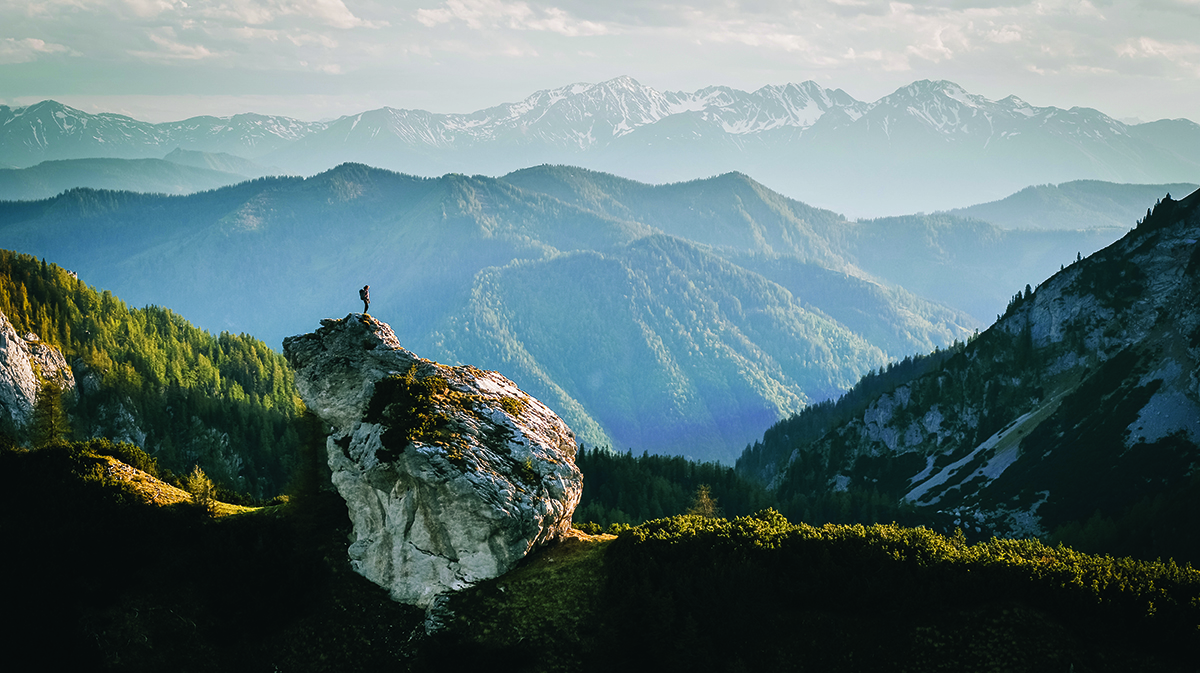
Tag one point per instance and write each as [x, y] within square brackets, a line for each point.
[165, 60]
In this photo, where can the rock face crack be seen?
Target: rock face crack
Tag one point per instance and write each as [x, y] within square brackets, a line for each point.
[451, 474]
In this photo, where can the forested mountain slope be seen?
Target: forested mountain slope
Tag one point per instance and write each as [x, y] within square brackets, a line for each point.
[147, 376]
[963, 262]
[50, 178]
[1082, 204]
[1082, 403]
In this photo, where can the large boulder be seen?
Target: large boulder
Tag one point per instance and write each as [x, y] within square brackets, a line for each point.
[451, 474]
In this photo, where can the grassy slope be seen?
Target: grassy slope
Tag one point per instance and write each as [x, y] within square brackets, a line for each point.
[155, 491]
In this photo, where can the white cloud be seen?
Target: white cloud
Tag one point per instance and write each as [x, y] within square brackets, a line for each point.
[332, 13]
[25, 50]
[298, 38]
[1184, 55]
[150, 8]
[1005, 34]
[170, 48]
[493, 14]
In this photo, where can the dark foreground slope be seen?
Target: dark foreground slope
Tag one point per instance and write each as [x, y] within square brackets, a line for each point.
[111, 583]
[1079, 408]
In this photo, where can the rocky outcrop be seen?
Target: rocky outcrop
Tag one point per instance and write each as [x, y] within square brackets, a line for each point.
[22, 360]
[451, 474]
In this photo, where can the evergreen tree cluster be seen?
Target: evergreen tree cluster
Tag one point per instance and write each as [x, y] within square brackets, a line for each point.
[227, 403]
[620, 488]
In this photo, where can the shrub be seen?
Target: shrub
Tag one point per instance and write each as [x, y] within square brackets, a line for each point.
[204, 492]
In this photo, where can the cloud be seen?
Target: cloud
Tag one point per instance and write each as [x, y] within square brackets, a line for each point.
[25, 50]
[1185, 7]
[298, 38]
[1004, 34]
[497, 14]
[169, 47]
[151, 8]
[1184, 55]
[332, 13]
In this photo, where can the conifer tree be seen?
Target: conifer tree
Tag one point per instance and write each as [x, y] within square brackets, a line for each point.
[704, 504]
[50, 422]
[202, 488]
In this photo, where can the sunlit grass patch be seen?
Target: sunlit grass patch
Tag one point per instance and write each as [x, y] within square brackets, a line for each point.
[154, 491]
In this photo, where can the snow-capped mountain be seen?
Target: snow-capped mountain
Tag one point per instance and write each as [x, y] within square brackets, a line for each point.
[929, 145]
[944, 109]
[50, 130]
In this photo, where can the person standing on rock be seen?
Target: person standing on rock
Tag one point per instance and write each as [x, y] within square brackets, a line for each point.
[365, 295]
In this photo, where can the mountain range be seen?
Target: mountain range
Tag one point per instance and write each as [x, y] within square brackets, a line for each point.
[677, 318]
[928, 146]
[179, 172]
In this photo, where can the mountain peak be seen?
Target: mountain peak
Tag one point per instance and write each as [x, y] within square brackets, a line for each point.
[931, 85]
[622, 82]
[50, 107]
[925, 90]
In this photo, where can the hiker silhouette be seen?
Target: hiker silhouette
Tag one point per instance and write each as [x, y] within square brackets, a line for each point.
[365, 295]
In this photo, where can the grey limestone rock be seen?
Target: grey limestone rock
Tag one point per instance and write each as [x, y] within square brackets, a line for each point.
[22, 358]
[451, 474]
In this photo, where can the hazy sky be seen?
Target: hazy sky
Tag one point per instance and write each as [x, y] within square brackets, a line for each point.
[164, 60]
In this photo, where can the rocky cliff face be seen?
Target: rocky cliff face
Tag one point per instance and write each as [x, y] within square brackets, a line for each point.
[451, 474]
[22, 360]
[1083, 398]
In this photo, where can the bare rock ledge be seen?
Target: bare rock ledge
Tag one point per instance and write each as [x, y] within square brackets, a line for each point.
[451, 474]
